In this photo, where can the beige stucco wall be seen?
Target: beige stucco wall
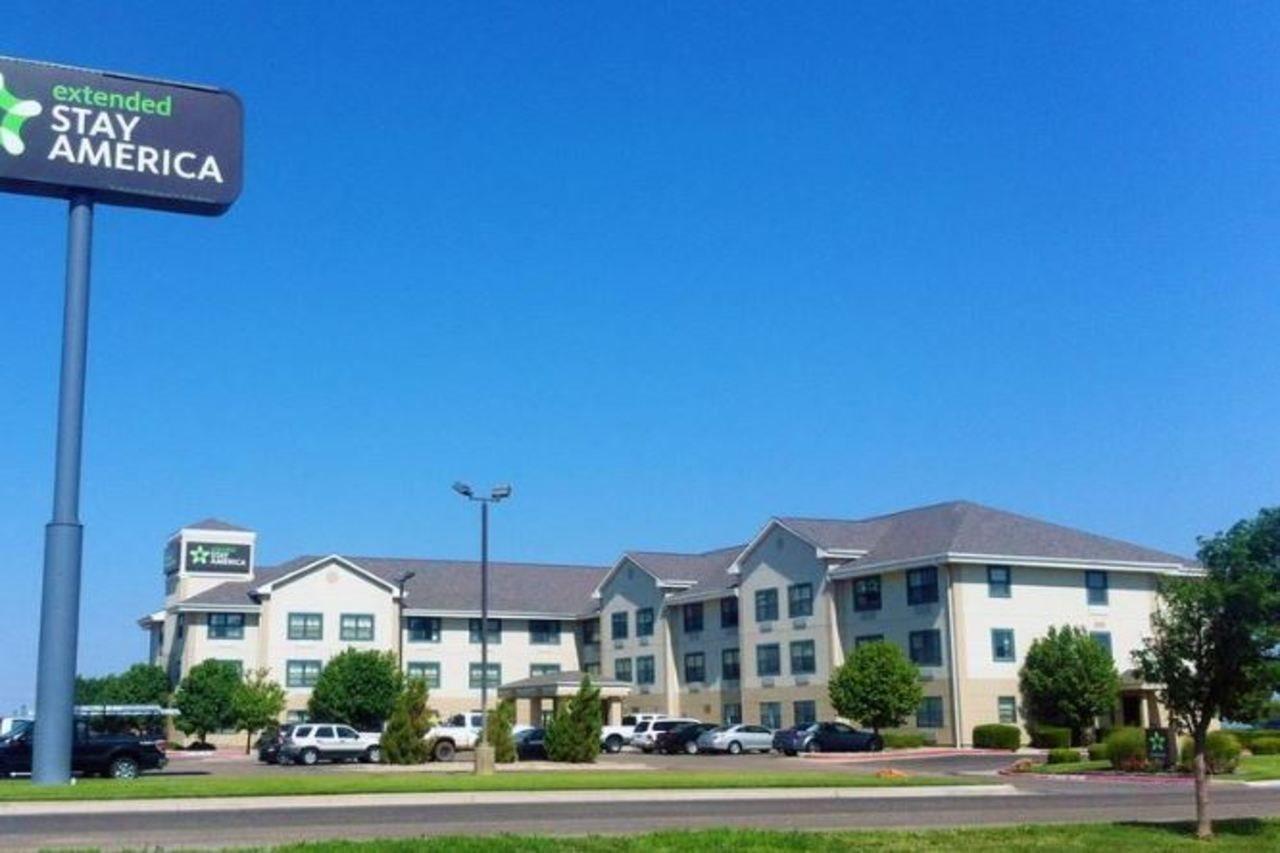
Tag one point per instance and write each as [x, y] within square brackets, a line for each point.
[628, 590]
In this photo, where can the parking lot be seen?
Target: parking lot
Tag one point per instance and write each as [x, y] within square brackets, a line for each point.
[234, 763]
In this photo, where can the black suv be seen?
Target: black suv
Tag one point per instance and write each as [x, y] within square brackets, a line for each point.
[116, 756]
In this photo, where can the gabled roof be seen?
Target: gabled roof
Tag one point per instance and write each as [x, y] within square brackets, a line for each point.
[966, 528]
[216, 524]
[688, 573]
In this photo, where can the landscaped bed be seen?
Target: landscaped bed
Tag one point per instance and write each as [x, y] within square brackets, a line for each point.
[1253, 768]
[160, 787]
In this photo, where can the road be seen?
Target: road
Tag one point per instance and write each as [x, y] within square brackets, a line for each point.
[1038, 801]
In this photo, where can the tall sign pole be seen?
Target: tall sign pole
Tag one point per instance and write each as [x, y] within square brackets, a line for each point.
[63, 536]
[106, 138]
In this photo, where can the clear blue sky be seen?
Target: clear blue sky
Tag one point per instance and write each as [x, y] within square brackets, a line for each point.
[669, 271]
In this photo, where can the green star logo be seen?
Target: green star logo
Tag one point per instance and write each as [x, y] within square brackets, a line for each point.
[14, 112]
[199, 555]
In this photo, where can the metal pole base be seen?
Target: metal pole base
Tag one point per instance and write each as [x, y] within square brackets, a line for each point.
[56, 676]
[485, 759]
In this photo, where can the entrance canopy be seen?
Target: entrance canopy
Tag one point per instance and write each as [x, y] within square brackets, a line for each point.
[561, 685]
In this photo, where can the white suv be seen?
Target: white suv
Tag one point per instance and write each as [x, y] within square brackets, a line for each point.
[312, 742]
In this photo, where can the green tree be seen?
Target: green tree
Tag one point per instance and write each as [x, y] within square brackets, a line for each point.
[497, 731]
[94, 689]
[1214, 641]
[1068, 679]
[140, 684]
[876, 686]
[402, 742]
[357, 688]
[204, 699]
[574, 732]
[257, 703]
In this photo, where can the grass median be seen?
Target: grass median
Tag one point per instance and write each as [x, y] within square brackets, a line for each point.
[1231, 835]
[1253, 768]
[300, 784]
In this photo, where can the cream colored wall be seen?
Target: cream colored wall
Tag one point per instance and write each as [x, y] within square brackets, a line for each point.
[629, 590]
[778, 561]
[202, 647]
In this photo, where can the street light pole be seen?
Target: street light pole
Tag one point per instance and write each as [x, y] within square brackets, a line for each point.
[404, 578]
[484, 751]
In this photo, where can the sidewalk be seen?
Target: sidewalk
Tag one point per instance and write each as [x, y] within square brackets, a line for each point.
[327, 801]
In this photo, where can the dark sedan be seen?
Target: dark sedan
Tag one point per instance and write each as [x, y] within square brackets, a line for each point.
[826, 737]
[531, 745]
[270, 741]
[681, 739]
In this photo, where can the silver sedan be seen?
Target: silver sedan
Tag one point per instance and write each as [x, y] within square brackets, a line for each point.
[736, 739]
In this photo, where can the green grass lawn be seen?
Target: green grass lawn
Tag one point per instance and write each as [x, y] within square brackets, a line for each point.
[1232, 835]
[1253, 768]
[153, 787]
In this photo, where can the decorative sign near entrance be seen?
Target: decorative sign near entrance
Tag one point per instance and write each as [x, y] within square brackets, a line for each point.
[217, 557]
[127, 140]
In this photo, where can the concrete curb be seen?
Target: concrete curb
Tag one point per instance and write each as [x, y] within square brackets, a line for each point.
[458, 798]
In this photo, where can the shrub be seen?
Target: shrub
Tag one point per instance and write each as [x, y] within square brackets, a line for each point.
[1051, 737]
[402, 742]
[997, 736]
[1265, 746]
[574, 732]
[877, 685]
[497, 731]
[1127, 749]
[358, 688]
[1098, 752]
[1064, 756]
[906, 740]
[1221, 753]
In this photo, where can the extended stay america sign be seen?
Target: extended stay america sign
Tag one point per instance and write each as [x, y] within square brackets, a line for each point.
[127, 140]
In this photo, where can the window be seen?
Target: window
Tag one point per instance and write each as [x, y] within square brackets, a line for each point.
[592, 668]
[591, 632]
[729, 615]
[1002, 650]
[543, 669]
[926, 647]
[802, 658]
[644, 669]
[999, 581]
[766, 605]
[544, 632]
[423, 629]
[866, 594]
[922, 585]
[929, 715]
[693, 618]
[806, 711]
[731, 713]
[301, 673]
[619, 625]
[622, 669]
[730, 665]
[306, 626]
[799, 600]
[768, 660]
[495, 630]
[867, 638]
[644, 622]
[1096, 584]
[356, 627]
[428, 671]
[695, 667]
[477, 675]
[1102, 638]
[771, 715]
[1007, 709]
[226, 626]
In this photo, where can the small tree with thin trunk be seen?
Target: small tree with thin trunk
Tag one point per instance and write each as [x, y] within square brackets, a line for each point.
[204, 699]
[876, 686]
[1068, 679]
[358, 688]
[257, 703]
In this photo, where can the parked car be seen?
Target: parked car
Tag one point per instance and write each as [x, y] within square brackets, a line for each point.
[309, 743]
[736, 739]
[460, 733]
[647, 731]
[614, 738]
[116, 756]
[531, 745]
[270, 741]
[826, 737]
[681, 739]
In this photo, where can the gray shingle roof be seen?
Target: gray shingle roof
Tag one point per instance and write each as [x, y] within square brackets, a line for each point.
[709, 571]
[449, 584]
[216, 524]
[964, 527]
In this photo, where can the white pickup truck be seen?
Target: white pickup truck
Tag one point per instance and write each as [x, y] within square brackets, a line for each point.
[459, 733]
[310, 743]
[614, 738]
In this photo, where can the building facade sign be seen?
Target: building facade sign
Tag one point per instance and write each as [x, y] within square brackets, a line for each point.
[217, 557]
[126, 140]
